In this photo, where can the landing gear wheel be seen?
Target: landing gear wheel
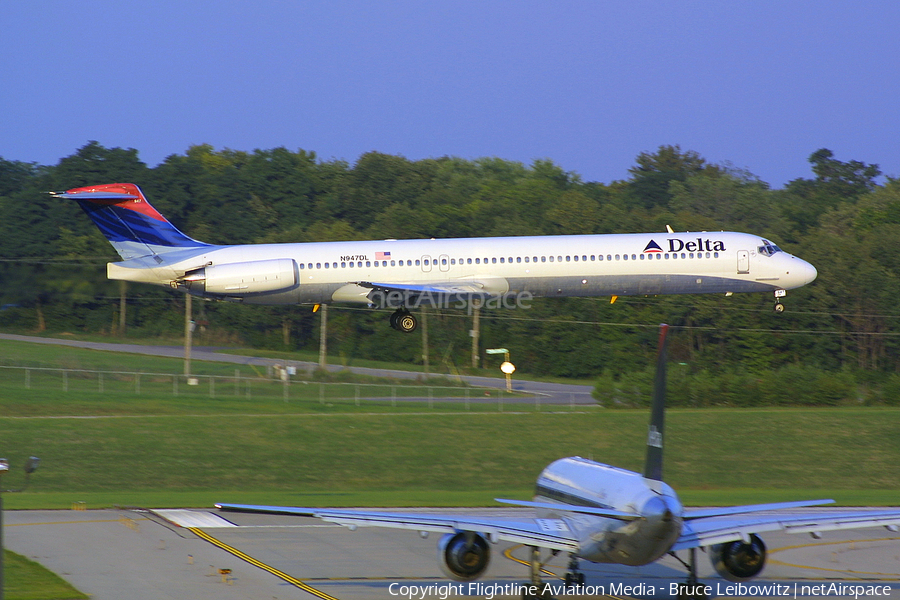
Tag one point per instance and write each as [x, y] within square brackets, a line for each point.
[779, 307]
[407, 323]
[403, 321]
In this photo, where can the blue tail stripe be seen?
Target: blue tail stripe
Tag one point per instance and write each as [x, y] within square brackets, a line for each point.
[123, 225]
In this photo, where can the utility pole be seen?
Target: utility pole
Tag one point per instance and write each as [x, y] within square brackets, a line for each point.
[425, 340]
[188, 333]
[475, 332]
[323, 338]
[123, 290]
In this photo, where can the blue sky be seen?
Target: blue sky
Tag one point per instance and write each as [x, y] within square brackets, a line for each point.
[587, 84]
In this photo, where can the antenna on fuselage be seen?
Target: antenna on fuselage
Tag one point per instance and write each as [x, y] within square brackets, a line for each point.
[653, 464]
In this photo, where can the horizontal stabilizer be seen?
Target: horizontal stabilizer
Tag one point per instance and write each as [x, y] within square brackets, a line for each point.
[752, 508]
[587, 510]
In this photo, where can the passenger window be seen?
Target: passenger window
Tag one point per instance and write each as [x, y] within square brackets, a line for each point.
[518, 259]
[468, 261]
[326, 265]
[543, 259]
[609, 257]
[310, 266]
[569, 258]
[624, 257]
[318, 265]
[477, 261]
[301, 265]
[494, 260]
[502, 260]
[443, 261]
[642, 257]
[617, 257]
[551, 259]
[418, 263]
[452, 261]
[592, 257]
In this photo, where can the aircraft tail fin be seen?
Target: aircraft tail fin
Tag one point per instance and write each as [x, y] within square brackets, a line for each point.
[128, 221]
[654, 462]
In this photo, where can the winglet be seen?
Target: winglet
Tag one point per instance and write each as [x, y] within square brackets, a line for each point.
[653, 464]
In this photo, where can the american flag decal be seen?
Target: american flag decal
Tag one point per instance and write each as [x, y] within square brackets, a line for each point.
[382, 255]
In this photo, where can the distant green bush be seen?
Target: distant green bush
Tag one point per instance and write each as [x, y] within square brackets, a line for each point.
[791, 385]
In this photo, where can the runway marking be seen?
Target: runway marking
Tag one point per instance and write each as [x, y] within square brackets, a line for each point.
[256, 563]
[830, 570]
[68, 522]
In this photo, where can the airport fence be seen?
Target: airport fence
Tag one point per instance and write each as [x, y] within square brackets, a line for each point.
[134, 384]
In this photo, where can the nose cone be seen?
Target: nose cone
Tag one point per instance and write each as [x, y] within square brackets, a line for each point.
[806, 272]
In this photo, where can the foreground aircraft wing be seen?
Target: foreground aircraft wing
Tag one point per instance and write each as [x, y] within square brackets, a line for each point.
[546, 533]
[706, 531]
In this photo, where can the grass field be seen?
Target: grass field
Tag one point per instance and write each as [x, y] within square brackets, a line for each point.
[156, 449]
[27, 580]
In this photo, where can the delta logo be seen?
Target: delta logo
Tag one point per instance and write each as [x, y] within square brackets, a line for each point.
[677, 245]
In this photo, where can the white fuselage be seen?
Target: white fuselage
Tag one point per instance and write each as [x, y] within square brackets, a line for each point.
[583, 265]
[580, 482]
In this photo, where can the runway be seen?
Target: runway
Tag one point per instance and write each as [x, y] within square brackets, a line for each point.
[113, 554]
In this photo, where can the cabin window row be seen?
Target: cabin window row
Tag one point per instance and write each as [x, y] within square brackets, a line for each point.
[510, 260]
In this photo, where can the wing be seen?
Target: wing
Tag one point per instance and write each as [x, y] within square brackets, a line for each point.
[545, 533]
[465, 288]
[706, 531]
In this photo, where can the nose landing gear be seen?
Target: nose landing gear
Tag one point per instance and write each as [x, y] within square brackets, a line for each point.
[779, 307]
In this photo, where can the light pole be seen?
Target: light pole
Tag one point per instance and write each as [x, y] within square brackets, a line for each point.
[31, 466]
[507, 367]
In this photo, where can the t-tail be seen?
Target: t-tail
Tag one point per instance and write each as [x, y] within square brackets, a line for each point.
[654, 462]
[133, 227]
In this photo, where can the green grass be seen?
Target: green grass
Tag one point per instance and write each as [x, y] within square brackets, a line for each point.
[154, 448]
[27, 580]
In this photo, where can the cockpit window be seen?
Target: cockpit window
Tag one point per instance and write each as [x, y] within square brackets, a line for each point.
[769, 249]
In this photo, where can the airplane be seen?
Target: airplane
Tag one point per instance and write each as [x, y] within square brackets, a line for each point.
[401, 274]
[604, 514]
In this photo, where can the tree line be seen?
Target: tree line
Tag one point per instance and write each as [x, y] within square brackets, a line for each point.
[844, 219]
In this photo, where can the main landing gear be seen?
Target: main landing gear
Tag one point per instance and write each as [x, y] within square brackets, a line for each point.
[692, 589]
[574, 577]
[403, 320]
[535, 584]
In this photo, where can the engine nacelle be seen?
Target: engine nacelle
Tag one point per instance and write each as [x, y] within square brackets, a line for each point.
[463, 556]
[739, 561]
[243, 278]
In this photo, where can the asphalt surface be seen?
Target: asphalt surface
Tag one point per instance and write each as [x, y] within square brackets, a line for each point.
[115, 555]
[546, 393]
